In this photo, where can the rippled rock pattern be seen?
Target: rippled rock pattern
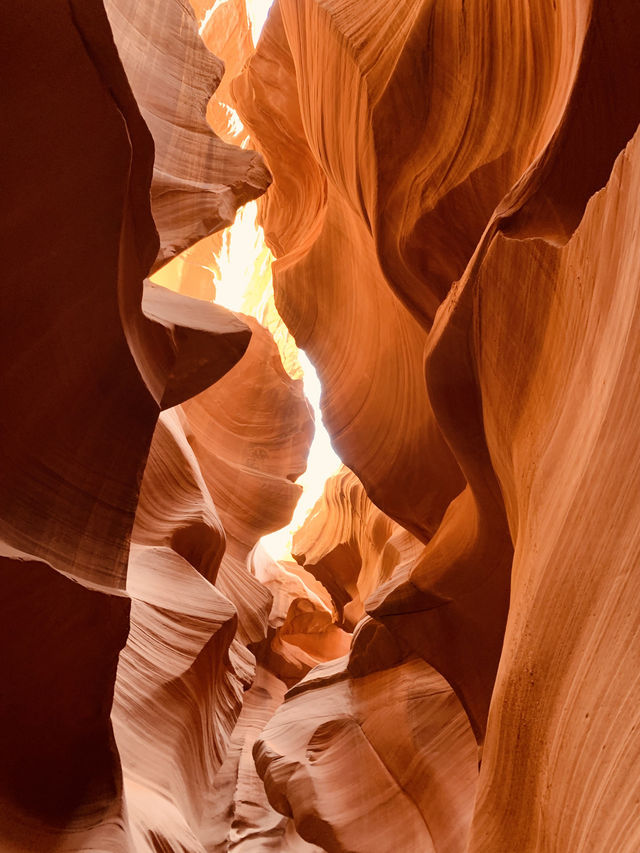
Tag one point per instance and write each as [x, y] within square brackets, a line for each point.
[351, 546]
[206, 604]
[199, 180]
[92, 353]
[456, 251]
[86, 372]
[451, 664]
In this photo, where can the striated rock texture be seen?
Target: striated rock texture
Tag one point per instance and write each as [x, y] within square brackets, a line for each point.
[452, 663]
[205, 601]
[179, 684]
[350, 546]
[251, 434]
[301, 635]
[564, 712]
[405, 786]
[322, 246]
[92, 353]
[457, 253]
[88, 363]
[199, 180]
[134, 602]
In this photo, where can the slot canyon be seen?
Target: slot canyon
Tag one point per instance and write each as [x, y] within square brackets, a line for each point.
[320, 426]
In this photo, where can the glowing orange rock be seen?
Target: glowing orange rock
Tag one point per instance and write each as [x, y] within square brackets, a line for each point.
[351, 546]
[457, 138]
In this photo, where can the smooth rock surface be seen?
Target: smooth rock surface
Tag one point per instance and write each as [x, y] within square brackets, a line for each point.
[440, 200]
[199, 180]
[452, 664]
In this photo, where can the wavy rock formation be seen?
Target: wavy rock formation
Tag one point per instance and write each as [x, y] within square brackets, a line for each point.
[251, 434]
[454, 213]
[564, 712]
[225, 30]
[179, 685]
[419, 773]
[243, 817]
[301, 635]
[199, 181]
[85, 375]
[371, 364]
[323, 247]
[433, 209]
[202, 605]
[101, 356]
[350, 546]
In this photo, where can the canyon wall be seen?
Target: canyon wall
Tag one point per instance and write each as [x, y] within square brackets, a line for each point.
[199, 180]
[128, 598]
[454, 219]
[449, 662]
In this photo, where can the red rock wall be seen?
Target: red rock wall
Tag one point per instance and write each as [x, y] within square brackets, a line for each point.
[92, 564]
[454, 212]
[449, 169]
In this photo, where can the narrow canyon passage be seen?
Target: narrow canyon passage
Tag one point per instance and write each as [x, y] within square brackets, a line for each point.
[320, 457]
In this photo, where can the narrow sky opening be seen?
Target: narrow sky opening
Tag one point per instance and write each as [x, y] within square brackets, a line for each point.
[241, 275]
[244, 260]
[257, 10]
[322, 462]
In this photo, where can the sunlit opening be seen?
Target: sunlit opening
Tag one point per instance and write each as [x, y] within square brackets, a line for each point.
[323, 462]
[243, 283]
[234, 268]
[257, 10]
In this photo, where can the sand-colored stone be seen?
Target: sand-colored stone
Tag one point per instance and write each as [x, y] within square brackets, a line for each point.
[199, 180]
[458, 137]
[454, 217]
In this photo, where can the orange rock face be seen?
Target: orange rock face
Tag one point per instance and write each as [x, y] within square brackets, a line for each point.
[90, 363]
[350, 546]
[441, 200]
[451, 664]
[202, 597]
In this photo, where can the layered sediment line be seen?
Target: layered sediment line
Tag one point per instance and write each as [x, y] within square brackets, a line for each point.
[458, 137]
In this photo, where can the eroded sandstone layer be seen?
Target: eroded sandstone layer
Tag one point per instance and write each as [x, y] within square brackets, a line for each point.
[434, 220]
[451, 662]
[92, 354]
[199, 180]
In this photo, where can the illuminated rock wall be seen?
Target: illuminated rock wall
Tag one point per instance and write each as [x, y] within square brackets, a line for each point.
[456, 252]
[451, 664]
[199, 180]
